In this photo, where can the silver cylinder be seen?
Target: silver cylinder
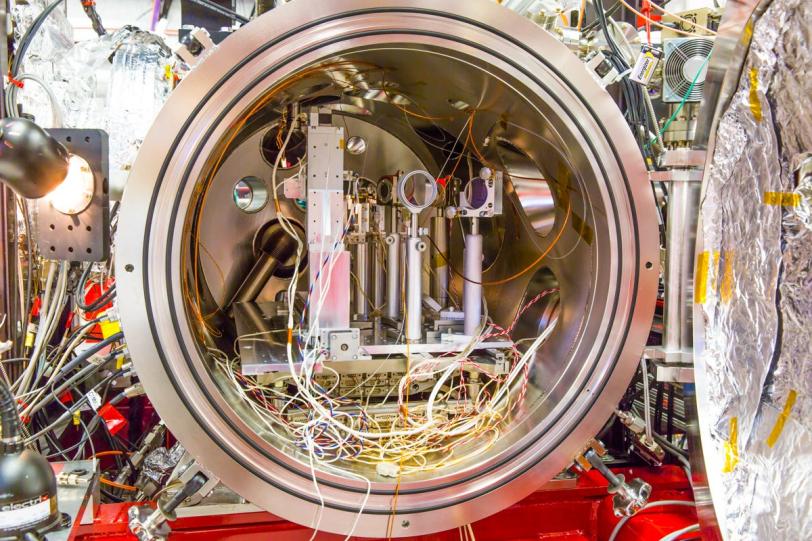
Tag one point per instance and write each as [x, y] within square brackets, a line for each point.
[376, 269]
[439, 259]
[414, 288]
[472, 284]
[683, 199]
[361, 270]
[393, 276]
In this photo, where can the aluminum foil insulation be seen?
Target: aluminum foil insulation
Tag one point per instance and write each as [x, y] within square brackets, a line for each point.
[754, 288]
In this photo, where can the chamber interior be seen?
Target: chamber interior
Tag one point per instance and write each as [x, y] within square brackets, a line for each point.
[386, 328]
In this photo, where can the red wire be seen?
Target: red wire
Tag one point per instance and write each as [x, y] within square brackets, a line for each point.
[646, 10]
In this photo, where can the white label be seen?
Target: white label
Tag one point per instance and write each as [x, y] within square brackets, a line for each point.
[94, 400]
[21, 514]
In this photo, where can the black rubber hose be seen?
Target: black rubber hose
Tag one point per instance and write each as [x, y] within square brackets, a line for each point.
[89, 352]
[9, 421]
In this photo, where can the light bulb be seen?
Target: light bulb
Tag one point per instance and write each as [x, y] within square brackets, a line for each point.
[76, 191]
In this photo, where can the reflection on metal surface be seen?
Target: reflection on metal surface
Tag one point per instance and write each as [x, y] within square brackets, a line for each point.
[523, 86]
[534, 193]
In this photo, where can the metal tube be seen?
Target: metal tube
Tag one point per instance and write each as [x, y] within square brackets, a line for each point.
[646, 398]
[361, 264]
[414, 288]
[439, 259]
[472, 284]
[393, 276]
[376, 263]
[377, 274]
[683, 198]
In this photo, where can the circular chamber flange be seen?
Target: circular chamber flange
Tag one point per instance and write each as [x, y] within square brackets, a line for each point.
[524, 87]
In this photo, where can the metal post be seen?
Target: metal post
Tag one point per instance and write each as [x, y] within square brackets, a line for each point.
[472, 281]
[393, 268]
[361, 264]
[683, 197]
[439, 258]
[414, 282]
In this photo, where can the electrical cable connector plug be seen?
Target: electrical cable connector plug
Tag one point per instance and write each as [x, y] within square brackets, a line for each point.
[133, 390]
[71, 479]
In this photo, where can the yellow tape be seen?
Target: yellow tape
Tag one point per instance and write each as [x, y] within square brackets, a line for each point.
[120, 361]
[778, 427]
[438, 261]
[701, 274]
[747, 34]
[755, 100]
[29, 339]
[77, 418]
[714, 276]
[168, 72]
[109, 328]
[732, 447]
[726, 292]
[782, 199]
[583, 229]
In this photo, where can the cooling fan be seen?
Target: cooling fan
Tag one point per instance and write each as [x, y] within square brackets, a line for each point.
[684, 58]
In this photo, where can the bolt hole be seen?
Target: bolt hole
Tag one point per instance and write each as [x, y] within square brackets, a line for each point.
[53, 248]
[128, 267]
[52, 227]
[70, 249]
[649, 264]
[70, 228]
[90, 251]
[89, 228]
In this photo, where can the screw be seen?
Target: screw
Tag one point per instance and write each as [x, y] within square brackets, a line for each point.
[405, 523]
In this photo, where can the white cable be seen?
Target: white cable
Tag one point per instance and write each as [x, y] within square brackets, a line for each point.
[675, 535]
[650, 505]
[57, 117]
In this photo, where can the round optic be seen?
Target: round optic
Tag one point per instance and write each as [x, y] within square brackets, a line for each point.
[476, 193]
[356, 145]
[417, 190]
[76, 191]
[250, 194]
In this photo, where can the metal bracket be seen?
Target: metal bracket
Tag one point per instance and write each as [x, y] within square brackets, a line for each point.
[83, 236]
[671, 366]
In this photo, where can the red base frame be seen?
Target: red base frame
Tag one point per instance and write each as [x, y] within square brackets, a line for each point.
[579, 511]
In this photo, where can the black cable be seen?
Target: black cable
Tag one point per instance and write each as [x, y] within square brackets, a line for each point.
[79, 293]
[28, 37]
[9, 421]
[669, 427]
[89, 352]
[73, 381]
[76, 405]
[224, 11]
[594, 24]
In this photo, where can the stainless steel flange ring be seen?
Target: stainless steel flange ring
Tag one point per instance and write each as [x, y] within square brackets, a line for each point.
[531, 97]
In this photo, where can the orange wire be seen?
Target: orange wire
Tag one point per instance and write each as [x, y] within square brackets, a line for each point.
[113, 484]
[108, 453]
[581, 14]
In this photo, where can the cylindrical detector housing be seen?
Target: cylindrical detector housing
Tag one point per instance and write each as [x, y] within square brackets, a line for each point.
[393, 276]
[472, 283]
[361, 269]
[439, 259]
[414, 288]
